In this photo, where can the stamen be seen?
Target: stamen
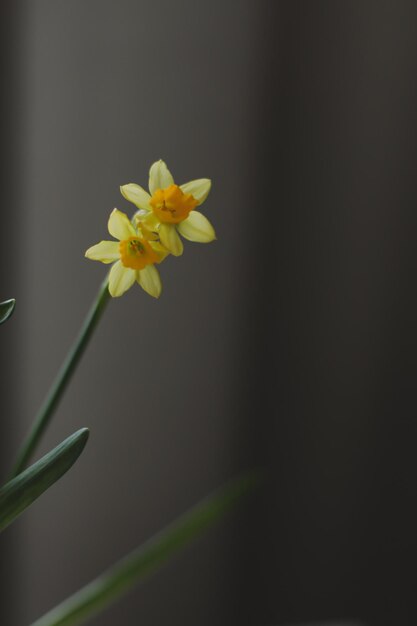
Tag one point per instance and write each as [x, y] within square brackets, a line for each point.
[136, 253]
[172, 205]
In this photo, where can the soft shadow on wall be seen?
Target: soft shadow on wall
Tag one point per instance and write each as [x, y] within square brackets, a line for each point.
[10, 120]
[335, 539]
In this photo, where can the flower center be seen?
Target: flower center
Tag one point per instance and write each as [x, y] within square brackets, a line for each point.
[172, 205]
[136, 253]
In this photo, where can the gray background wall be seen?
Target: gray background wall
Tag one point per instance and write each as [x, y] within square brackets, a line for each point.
[103, 90]
[289, 343]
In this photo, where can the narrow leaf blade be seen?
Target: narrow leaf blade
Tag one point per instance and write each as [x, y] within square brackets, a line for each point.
[142, 562]
[20, 492]
[6, 309]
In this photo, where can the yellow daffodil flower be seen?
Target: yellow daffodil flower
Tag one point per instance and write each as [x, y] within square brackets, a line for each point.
[169, 209]
[134, 257]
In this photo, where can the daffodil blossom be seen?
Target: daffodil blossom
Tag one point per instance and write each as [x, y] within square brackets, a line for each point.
[169, 209]
[134, 257]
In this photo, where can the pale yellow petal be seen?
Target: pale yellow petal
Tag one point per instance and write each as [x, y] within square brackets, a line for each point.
[121, 279]
[120, 226]
[149, 219]
[159, 176]
[199, 189]
[170, 239]
[197, 228]
[105, 251]
[160, 250]
[136, 194]
[150, 281]
[147, 234]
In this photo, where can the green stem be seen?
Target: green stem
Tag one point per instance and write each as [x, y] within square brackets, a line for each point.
[58, 387]
[144, 561]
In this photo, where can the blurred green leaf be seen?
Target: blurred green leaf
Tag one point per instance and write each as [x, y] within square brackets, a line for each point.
[6, 309]
[145, 560]
[20, 492]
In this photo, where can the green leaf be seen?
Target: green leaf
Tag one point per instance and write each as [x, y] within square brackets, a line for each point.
[6, 309]
[20, 492]
[145, 560]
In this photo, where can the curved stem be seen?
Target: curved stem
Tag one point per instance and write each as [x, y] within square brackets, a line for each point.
[62, 379]
[147, 559]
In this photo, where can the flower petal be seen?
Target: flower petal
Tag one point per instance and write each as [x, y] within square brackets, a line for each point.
[170, 239]
[121, 279]
[160, 250]
[159, 176]
[197, 228]
[136, 194]
[120, 226]
[150, 281]
[105, 251]
[149, 219]
[199, 189]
